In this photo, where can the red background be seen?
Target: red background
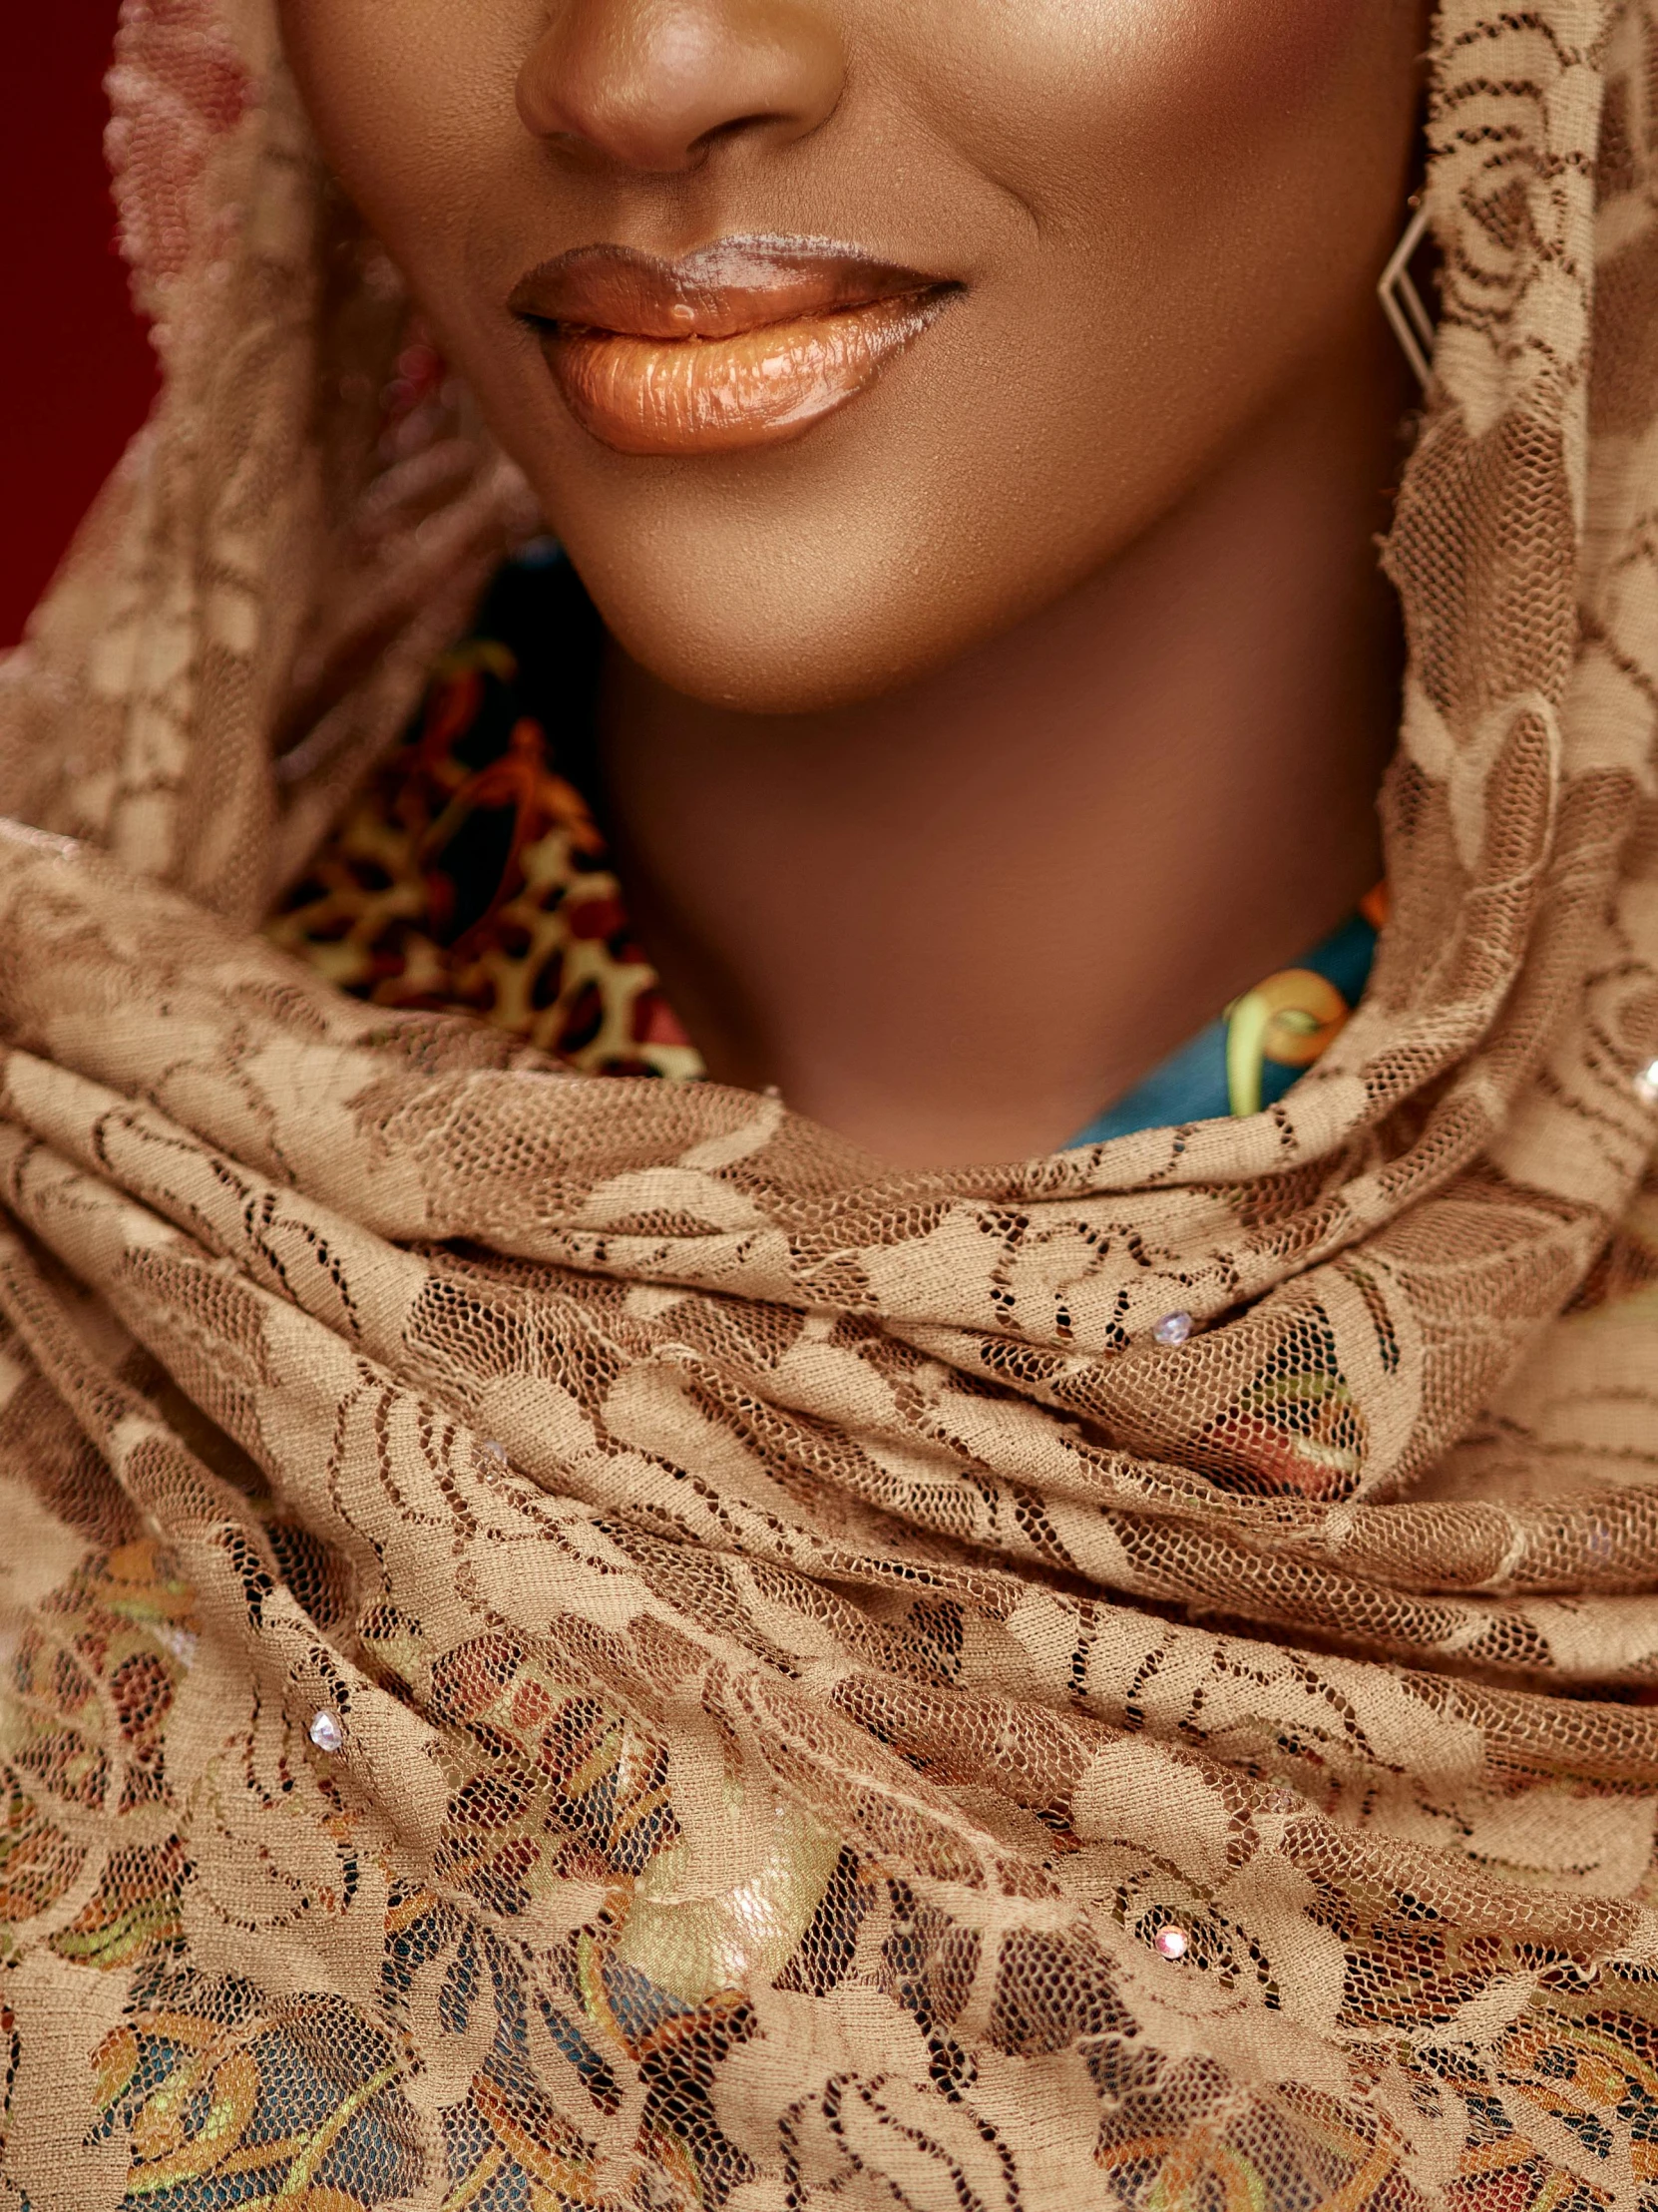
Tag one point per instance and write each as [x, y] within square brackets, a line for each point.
[76, 374]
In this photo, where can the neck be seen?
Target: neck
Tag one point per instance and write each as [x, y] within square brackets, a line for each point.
[956, 921]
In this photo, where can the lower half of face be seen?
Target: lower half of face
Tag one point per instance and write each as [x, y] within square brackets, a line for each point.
[836, 335]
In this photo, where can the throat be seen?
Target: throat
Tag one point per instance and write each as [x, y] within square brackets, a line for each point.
[956, 923]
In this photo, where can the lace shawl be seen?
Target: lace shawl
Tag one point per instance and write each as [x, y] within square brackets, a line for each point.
[579, 1644]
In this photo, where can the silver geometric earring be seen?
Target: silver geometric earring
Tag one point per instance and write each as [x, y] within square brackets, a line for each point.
[1404, 304]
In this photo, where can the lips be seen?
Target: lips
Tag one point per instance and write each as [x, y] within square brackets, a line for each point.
[749, 343]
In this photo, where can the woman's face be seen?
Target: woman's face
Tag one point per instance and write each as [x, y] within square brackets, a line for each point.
[836, 335]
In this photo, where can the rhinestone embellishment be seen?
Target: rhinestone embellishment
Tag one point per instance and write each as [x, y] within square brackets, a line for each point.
[1171, 1943]
[1174, 1328]
[1646, 1085]
[326, 1733]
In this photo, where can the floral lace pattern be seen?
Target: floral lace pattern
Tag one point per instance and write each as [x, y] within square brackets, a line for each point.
[575, 1643]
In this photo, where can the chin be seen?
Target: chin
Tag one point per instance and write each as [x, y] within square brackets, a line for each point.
[799, 659]
[794, 620]
[923, 520]
[754, 677]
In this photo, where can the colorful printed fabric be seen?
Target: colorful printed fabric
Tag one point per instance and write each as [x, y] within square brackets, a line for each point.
[472, 874]
[1249, 1055]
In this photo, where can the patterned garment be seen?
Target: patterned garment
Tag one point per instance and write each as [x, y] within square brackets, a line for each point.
[471, 874]
[567, 1646]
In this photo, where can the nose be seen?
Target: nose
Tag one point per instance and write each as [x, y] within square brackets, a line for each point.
[655, 85]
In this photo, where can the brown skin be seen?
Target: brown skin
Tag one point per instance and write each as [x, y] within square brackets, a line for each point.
[969, 752]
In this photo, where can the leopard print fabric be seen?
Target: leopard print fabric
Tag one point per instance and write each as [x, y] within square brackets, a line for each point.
[471, 875]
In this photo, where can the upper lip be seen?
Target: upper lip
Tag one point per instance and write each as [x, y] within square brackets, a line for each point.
[721, 290]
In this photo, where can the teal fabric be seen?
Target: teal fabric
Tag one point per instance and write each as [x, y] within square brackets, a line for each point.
[1191, 1086]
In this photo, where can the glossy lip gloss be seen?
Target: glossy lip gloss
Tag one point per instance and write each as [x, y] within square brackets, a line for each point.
[744, 343]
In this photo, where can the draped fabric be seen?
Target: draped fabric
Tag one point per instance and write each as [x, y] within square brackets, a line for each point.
[580, 1643]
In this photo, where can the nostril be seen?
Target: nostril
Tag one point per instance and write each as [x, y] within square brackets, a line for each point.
[738, 128]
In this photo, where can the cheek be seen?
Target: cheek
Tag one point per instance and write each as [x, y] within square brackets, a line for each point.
[410, 124]
[1249, 64]
[1152, 105]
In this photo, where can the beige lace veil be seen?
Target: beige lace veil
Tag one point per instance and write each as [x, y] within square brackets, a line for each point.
[578, 1644]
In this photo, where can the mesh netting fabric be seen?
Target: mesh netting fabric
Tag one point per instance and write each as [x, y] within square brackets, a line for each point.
[580, 1643]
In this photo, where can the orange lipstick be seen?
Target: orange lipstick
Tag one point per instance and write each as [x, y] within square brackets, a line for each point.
[747, 342]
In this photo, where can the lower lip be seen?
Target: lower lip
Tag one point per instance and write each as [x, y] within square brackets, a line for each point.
[730, 396]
